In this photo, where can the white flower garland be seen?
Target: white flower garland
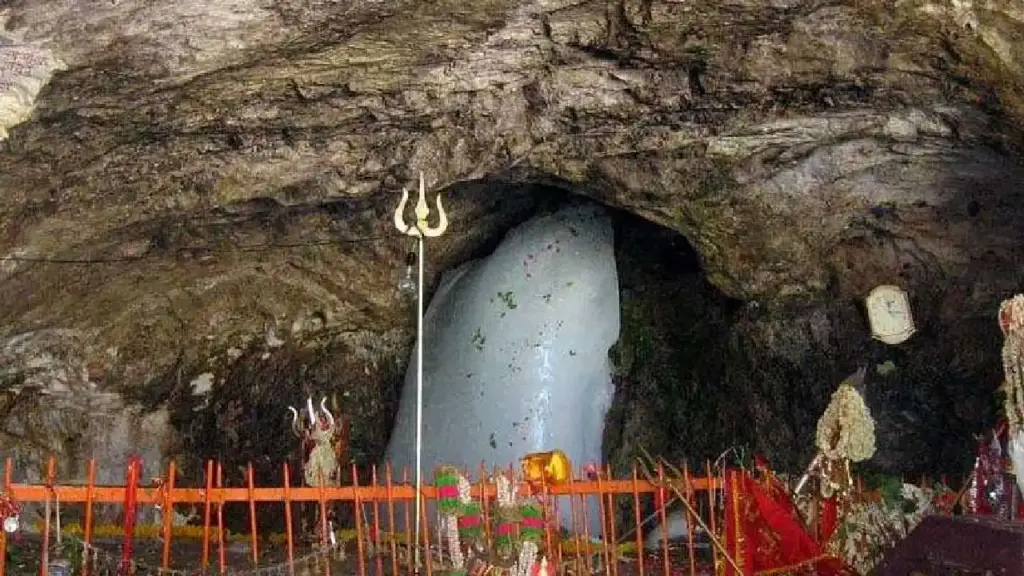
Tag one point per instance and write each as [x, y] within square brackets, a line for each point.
[464, 488]
[527, 556]
[507, 498]
[451, 527]
[506, 491]
[846, 429]
[1012, 313]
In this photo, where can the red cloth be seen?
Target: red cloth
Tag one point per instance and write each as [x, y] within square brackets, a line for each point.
[764, 533]
[828, 520]
[991, 490]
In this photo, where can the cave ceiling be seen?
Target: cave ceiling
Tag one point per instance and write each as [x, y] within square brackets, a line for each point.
[802, 147]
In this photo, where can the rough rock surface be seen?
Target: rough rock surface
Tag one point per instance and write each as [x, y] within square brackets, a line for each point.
[209, 183]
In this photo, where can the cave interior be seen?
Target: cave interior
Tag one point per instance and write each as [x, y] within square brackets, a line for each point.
[696, 372]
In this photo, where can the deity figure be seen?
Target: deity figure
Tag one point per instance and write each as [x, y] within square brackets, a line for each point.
[320, 466]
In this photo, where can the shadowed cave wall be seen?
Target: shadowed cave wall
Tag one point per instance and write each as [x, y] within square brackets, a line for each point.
[699, 373]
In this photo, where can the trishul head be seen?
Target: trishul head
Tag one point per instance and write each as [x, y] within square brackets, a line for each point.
[313, 420]
[420, 228]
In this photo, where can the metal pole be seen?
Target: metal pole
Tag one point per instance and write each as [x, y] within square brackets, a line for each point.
[419, 230]
[419, 402]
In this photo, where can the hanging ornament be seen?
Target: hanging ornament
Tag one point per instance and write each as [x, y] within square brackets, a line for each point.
[9, 511]
[11, 524]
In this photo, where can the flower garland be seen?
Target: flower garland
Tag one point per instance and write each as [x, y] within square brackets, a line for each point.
[453, 499]
[531, 531]
[846, 430]
[527, 557]
[870, 527]
[1011, 321]
[507, 517]
[471, 518]
[447, 481]
[519, 524]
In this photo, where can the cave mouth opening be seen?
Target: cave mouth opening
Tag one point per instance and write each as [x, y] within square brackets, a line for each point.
[693, 369]
[698, 373]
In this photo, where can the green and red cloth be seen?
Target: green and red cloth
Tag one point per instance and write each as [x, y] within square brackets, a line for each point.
[447, 481]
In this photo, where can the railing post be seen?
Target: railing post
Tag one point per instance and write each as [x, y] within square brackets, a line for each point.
[663, 518]
[636, 522]
[254, 535]
[6, 490]
[221, 560]
[130, 495]
[288, 518]
[87, 529]
[168, 515]
[44, 557]
[360, 520]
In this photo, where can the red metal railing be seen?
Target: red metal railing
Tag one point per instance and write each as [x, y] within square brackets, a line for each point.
[371, 545]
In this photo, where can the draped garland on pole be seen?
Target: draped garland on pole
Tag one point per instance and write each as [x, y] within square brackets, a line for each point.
[518, 524]
[1011, 322]
[845, 434]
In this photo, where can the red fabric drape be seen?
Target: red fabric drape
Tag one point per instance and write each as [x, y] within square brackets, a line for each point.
[764, 533]
[991, 488]
[828, 520]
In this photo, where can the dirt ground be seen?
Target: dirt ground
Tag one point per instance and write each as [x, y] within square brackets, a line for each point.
[23, 559]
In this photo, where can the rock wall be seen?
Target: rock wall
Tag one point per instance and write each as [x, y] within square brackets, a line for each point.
[52, 405]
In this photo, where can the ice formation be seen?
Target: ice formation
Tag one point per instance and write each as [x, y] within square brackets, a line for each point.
[516, 354]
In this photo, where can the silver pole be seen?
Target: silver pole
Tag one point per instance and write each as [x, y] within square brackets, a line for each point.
[419, 404]
[420, 230]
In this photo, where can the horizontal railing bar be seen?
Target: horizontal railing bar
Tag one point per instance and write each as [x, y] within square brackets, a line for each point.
[378, 493]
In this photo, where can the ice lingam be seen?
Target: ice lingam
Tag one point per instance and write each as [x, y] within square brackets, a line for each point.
[515, 353]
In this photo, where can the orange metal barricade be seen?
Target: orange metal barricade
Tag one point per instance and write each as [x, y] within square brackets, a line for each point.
[613, 496]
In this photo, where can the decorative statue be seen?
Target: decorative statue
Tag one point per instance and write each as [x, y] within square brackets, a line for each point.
[320, 467]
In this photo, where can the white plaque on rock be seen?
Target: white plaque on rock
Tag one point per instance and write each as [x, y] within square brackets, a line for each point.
[890, 315]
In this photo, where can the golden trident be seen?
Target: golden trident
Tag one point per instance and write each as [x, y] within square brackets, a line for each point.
[420, 230]
[422, 211]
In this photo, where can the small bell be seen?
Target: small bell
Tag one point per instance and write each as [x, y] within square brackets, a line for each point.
[407, 283]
